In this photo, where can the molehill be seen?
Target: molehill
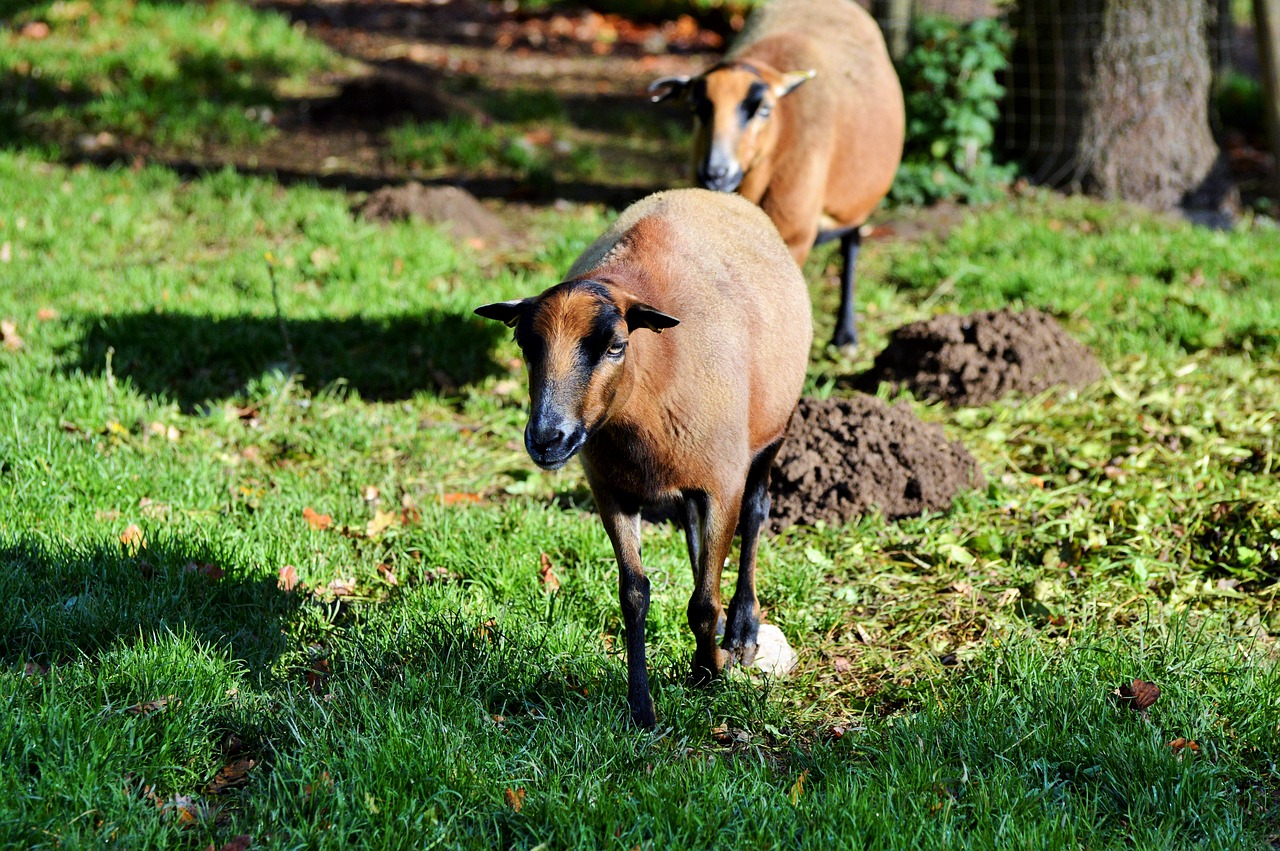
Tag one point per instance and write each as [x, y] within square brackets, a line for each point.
[843, 457]
[976, 359]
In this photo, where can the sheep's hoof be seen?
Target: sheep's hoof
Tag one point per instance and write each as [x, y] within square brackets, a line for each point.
[703, 671]
[845, 350]
[642, 714]
[742, 654]
[773, 654]
[741, 636]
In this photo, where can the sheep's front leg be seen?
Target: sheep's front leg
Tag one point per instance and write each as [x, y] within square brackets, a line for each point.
[623, 526]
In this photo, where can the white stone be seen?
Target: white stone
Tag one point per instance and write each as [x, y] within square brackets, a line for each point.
[774, 655]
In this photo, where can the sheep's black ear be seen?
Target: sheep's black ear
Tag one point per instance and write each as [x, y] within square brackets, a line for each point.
[504, 311]
[790, 82]
[644, 316]
[668, 87]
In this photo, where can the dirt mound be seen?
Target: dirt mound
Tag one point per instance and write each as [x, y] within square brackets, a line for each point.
[448, 206]
[975, 359]
[844, 456]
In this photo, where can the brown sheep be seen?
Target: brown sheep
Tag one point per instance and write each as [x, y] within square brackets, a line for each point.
[803, 116]
[690, 418]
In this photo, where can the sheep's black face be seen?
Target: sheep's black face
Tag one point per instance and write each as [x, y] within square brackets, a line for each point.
[574, 338]
[567, 337]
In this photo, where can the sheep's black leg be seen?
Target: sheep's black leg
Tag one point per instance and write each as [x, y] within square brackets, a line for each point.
[846, 335]
[743, 623]
[706, 610]
[693, 517]
[622, 523]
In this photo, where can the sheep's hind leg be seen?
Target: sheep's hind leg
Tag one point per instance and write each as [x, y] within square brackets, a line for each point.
[706, 610]
[846, 334]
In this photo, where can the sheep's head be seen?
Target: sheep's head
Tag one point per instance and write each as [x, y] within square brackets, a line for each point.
[732, 104]
[574, 338]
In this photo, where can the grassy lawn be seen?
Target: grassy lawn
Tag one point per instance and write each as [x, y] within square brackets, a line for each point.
[274, 559]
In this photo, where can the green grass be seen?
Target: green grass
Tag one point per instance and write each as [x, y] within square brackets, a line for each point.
[179, 75]
[1129, 530]
[956, 677]
[535, 137]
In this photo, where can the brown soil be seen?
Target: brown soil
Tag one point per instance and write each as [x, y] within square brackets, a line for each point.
[844, 457]
[976, 359]
[454, 208]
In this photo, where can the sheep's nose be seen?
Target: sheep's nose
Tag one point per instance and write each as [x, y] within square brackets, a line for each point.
[544, 441]
[719, 173]
[552, 440]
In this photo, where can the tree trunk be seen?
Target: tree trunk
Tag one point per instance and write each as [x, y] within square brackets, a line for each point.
[1112, 97]
[1266, 16]
[894, 17]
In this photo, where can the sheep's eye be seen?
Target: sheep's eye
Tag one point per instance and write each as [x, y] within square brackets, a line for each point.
[616, 350]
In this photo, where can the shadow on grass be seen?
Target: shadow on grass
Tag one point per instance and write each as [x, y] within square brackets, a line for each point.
[205, 98]
[65, 602]
[192, 359]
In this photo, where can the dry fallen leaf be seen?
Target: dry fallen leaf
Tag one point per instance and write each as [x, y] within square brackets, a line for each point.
[132, 538]
[370, 493]
[515, 798]
[189, 811]
[34, 669]
[36, 30]
[726, 735]
[325, 782]
[797, 788]
[318, 676]
[316, 521]
[204, 568]
[1139, 694]
[152, 706]
[456, 498]
[232, 775]
[1180, 743]
[288, 578]
[46, 314]
[9, 335]
[548, 576]
[342, 587]
[388, 576]
[381, 522]
[168, 432]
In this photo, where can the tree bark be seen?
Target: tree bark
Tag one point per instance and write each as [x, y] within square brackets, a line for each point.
[1112, 97]
[894, 17]
[1266, 16]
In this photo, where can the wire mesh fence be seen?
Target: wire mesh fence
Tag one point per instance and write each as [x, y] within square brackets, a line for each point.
[1048, 92]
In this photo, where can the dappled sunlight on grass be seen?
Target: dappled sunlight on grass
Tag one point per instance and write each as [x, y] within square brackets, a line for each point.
[954, 669]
